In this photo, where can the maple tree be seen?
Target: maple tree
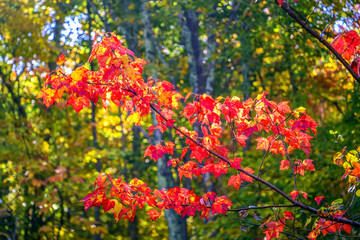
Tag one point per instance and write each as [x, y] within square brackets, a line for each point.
[119, 80]
[48, 156]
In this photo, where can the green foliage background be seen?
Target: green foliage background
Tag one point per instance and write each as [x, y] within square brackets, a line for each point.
[48, 157]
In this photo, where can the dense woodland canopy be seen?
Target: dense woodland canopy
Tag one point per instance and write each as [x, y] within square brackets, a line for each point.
[50, 157]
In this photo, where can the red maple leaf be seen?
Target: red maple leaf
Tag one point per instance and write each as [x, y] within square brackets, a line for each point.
[283, 107]
[304, 140]
[277, 147]
[245, 177]
[221, 205]
[209, 196]
[158, 151]
[187, 169]
[318, 199]
[284, 164]
[303, 166]
[273, 230]
[198, 153]
[48, 95]
[347, 44]
[101, 181]
[314, 234]
[304, 194]
[108, 204]
[207, 102]
[288, 215]
[236, 163]
[328, 227]
[241, 138]
[216, 168]
[294, 194]
[308, 165]
[170, 147]
[303, 123]
[235, 180]
[154, 214]
[78, 102]
[355, 65]
[94, 199]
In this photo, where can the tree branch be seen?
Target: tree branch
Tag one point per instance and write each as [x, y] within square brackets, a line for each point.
[261, 207]
[296, 203]
[315, 34]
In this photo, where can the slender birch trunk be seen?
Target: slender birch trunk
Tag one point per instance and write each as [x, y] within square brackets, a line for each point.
[176, 225]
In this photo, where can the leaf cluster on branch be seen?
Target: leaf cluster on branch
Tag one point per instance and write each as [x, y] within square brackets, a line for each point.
[119, 80]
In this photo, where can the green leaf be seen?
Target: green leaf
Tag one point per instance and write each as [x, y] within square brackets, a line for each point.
[337, 202]
[308, 221]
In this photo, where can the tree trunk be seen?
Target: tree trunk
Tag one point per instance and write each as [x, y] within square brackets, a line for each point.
[211, 51]
[199, 82]
[176, 224]
[93, 120]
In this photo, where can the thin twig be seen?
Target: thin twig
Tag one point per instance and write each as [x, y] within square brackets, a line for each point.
[7, 204]
[291, 235]
[261, 207]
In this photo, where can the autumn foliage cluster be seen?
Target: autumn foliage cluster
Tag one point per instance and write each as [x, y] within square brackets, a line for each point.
[119, 80]
[253, 134]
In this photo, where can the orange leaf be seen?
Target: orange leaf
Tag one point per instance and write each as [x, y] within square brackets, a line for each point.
[288, 215]
[61, 59]
[262, 143]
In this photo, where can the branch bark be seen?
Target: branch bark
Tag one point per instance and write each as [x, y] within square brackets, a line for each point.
[261, 207]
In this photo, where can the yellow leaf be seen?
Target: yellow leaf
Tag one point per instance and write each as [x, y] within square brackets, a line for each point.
[79, 73]
[45, 147]
[301, 110]
[352, 157]
[134, 118]
[337, 159]
[346, 165]
[358, 193]
[116, 210]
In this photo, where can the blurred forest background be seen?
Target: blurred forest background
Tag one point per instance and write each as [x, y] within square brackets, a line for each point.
[49, 158]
